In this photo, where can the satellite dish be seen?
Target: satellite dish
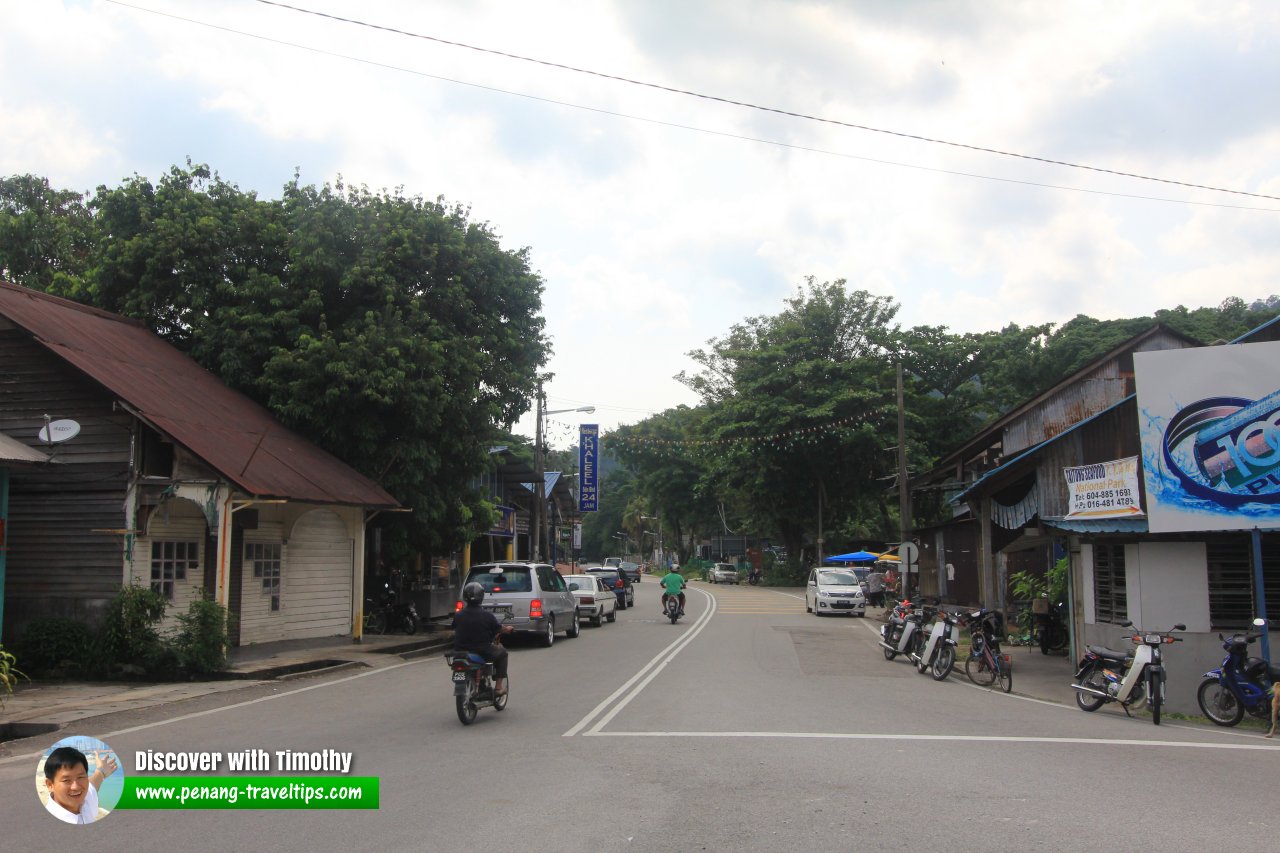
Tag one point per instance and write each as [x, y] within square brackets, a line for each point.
[59, 431]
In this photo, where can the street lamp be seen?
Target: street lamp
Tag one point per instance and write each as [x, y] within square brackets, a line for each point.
[662, 558]
[540, 517]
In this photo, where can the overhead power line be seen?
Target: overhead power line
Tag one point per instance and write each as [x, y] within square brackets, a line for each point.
[761, 108]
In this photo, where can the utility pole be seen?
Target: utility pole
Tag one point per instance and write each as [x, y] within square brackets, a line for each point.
[539, 486]
[821, 490]
[904, 494]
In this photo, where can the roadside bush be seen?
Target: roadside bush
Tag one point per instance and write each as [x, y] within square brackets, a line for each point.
[202, 639]
[9, 674]
[55, 643]
[128, 638]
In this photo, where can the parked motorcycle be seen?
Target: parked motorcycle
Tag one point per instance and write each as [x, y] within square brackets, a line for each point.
[938, 652]
[901, 635]
[473, 685]
[386, 614]
[1130, 678]
[1051, 628]
[1241, 684]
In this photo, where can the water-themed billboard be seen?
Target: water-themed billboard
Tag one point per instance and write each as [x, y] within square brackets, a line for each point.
[1210, 424]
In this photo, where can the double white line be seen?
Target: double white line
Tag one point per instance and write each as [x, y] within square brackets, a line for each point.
[647, 673]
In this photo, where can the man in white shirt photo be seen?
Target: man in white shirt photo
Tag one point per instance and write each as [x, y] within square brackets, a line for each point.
[73, 793]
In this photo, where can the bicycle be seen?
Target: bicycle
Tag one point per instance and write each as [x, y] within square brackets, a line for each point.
[986, 662]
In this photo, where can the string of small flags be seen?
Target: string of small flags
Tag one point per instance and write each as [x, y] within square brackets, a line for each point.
[808, 434]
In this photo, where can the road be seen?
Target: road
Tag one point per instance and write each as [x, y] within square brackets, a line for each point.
[750, 725]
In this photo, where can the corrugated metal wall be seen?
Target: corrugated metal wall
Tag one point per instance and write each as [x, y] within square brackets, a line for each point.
[1103, 387]
[58, 562]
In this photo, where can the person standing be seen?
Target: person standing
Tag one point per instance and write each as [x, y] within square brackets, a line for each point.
[875, 588]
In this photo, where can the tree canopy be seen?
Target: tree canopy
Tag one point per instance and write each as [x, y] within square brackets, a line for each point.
[393, 331]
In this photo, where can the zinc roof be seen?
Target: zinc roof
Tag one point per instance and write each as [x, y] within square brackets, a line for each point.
[235, 436]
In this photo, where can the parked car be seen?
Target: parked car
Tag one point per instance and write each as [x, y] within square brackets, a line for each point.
[724, 573]
[531, 597]
[631, 570]
[596, 602]
[834, 590]
[619, 583]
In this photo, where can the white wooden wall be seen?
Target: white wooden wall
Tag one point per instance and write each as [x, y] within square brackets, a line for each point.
[175, 520]
[318, 576]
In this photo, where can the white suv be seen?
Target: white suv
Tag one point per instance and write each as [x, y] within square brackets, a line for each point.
[724, 573]
[832, 590]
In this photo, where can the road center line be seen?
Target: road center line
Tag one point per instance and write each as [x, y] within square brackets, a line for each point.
[952, 738]
[656, 664]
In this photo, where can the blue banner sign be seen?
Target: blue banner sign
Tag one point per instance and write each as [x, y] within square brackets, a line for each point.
[588, 454]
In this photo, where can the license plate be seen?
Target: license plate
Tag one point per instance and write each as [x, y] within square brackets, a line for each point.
[459, 676]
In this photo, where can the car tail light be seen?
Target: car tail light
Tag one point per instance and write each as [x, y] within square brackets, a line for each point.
[618, 585]
[457, 607]
[535, 608]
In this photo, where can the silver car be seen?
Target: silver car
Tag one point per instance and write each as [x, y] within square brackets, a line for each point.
[596, 603]
[531, 597]
[724, 573]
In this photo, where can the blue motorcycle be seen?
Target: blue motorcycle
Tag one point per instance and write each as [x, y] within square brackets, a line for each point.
[1241, 684]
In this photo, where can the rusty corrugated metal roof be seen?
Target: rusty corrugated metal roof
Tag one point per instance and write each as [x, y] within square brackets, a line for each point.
[12, 450]
[235, 436]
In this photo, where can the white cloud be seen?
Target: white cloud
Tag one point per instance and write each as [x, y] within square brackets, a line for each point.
[653, 238]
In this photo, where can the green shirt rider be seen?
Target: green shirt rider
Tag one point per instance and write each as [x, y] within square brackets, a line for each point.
[673, 583]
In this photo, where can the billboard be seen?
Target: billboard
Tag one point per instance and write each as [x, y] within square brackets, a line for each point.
[1210, 425]
[588, 456]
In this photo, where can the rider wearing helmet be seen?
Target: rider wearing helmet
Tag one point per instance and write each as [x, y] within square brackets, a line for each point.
[673, 584]
[477, 630]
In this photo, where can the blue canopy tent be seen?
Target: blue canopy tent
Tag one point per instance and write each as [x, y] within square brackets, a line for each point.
[855, 557]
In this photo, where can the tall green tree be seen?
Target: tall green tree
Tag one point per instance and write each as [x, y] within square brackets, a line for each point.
[800, 409]
[393, 331]
[45, 234]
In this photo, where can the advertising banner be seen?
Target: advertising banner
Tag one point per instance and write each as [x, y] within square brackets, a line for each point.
[1104, 490]
[588, 454]
[1210, 424]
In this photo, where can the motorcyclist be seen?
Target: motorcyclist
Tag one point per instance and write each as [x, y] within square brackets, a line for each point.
[673, 584]
[477, 630]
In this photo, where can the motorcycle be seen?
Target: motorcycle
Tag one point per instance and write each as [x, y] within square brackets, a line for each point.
[672, 608]
[385, 614]
[1130, 678]
[1241, 684]
[938, 653]
[901, 635]
[754, 578]
[1051, 628]
[473, 685]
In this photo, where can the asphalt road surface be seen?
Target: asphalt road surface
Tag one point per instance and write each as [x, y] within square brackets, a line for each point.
[750, 725]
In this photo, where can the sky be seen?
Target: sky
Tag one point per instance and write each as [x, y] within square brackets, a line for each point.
[750, 145]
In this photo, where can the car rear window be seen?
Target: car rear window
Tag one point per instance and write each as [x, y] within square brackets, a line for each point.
[608, 577]
[503, 580]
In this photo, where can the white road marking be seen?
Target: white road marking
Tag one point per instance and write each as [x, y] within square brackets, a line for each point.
[245, 704]
[652, 668]
[953, 738]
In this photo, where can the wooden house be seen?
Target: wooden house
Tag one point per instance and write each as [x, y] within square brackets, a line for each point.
[171, 479]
